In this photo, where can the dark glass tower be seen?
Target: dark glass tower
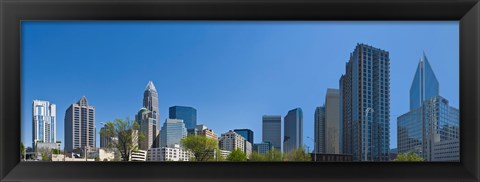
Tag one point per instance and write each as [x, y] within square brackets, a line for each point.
[246, 133]
[365, 104]
[293, 130]
[272, 130]
[424, 85]
[187, 114]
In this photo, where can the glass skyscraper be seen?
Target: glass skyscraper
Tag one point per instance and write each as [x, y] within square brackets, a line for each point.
[431, 127]
[293, 130]
[245, 133]
[187, 114]
[365, 104]
[173, 130]
[424, 84]
[272, 130]
[319, 130]
[44, 120]
[327, 124]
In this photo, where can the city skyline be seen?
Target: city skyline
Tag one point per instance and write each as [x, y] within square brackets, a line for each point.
[242, 119]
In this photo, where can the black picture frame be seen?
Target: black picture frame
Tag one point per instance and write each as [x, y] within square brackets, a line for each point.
[12, 12]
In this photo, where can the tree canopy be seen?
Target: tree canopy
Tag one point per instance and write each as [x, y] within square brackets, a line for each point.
[237, 156]
[202, 147]
[410, 157]
[297, 155]
[127, 134]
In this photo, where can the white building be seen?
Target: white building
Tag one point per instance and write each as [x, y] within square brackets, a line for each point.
[139, 155]
[44, 122]
[175, 153]
[61, 157]
[224, 153]
[231, 140]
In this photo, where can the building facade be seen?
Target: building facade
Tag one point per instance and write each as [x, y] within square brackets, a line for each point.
[245, 133]
[79, 125]
[431, 127]
[187, 114]
[272, 130]
[206, 132]
[293, 130]
[365, 104]
[149, 117]
[104, 139]
[263, 147]
[319, 130]
[231, 140]
[138, 155]
[173, 130]
[174, 153]
[44, 120]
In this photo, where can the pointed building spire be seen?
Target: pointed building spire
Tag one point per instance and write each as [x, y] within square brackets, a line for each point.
[150, 86]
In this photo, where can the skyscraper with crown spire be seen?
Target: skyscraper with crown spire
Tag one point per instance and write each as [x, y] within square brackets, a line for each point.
[80, 126]
[148, 117]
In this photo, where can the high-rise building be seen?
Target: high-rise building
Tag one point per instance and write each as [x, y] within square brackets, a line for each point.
[424, 85]
[148, 128]
[80, 126]
[173, 130]
[431, 127]
[327, 124]
[246, 133]
[150, 102]
[231, 140]
[187, 114]
[319, 130]
[44, 120]
[293, 130]
[365, 107]
[272, 130]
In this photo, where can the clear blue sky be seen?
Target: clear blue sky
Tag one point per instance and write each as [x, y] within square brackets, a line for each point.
[231, 72]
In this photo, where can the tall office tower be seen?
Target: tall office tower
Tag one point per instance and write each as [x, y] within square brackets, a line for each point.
[293, 130]
[365, 107]
[246, 133]
[231, 140]
[44, 120]
[272, 130]
[332, 122]
[431, 128]
[147, 127]
[319, 130]
[150, 102]
[173, 130]
[424, 85]
[187, 114]
[80, 126]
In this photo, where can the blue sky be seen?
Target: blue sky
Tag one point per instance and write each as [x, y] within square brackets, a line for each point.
[232, 72]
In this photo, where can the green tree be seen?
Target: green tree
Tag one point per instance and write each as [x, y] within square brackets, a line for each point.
[45, 157]
[22, 151]
[128, 135]
[237, 156]
[255, 156]
[202, 147]
[56, 151]
[273, 155]
[409, 157]
[298, 155]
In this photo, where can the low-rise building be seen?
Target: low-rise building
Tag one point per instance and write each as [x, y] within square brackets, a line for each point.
[175, 153]
[319, 157]
[263, 147]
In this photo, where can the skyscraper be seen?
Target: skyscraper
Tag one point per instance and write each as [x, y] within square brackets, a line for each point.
[293, 130]
[104, 140]
[431, 127]
[365, 107]
[173, 130]
[44, 120]
[246, 133]
[272, 130]
[80, 125]
[150, 120]
[424, 85]
[319, 130]
[187, 114]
